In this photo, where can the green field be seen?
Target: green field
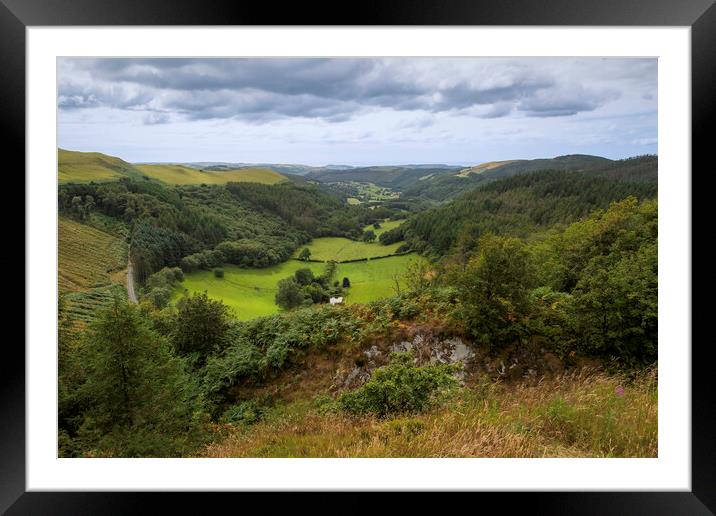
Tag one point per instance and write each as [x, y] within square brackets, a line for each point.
[384, 226]
[250, 292]
[83, 167]
[341, 249]
[181, 175]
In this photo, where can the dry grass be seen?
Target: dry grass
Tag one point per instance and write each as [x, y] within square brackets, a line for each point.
[87, 256]
[576, 415]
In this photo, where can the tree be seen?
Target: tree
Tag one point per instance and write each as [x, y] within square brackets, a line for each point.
[419, 275]
[376, 225]
[200, 325]
[304, 276]
[289, 294]
[140, 402]
[615, 305]
[495, 290]
[369, 236]
[305, 254]
[346, 283]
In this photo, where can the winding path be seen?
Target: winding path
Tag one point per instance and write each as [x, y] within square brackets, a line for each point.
[130, 280]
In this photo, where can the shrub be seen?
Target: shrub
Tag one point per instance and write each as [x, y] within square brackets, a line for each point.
[246, 413]
[400, 387]
[218, 272]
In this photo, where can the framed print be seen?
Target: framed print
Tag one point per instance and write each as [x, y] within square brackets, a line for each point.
[444, 248]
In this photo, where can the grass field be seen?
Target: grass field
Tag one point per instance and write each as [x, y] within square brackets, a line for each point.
[384, 226]
[181, 175]
[250, 292]
[340, 249]
[83, 167]
[87, 256]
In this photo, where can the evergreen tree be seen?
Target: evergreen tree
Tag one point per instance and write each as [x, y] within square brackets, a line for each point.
[140, 401]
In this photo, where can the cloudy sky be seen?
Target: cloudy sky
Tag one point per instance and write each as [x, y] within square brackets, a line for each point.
[357, 111]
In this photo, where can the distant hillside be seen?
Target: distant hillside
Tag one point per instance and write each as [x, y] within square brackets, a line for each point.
[83, 167]
[183, 175]
[395, 177]
[526, 203]
[282, 168]
[446, 186]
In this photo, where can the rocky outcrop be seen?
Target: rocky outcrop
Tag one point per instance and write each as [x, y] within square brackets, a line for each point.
[425, 347]
[530, 360]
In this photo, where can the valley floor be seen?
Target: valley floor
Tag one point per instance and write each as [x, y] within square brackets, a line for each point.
[250, 293]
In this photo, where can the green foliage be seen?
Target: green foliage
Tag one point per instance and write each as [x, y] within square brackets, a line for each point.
[200, 325]
[369, 236]
[200, 227]
[218, 272]
[304, 276]
[289, 294]
[138, 400]
[400, 387]
[494, 290]
[524, 204]
[159, 286]
[305, 254]
[607, 265]
[245, 413]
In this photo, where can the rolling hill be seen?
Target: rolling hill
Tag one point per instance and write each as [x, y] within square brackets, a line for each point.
[83, 167]
[446, 186]
[524, 204]
[184, 175]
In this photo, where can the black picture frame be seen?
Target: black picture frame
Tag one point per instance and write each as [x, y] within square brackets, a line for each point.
[700, 15]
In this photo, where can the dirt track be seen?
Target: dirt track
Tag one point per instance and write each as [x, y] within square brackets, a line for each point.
[130, 282]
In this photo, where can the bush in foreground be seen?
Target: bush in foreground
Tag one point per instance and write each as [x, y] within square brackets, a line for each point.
[400, 387]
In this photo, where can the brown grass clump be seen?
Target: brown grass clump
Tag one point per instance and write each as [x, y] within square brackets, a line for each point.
[583, 414]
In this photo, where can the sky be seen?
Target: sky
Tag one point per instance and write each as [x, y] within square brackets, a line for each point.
[357, 111]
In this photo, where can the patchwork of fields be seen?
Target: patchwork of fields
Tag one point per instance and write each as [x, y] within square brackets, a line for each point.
[90, 265]
[87, 256]
[250, 292]
[181, 175]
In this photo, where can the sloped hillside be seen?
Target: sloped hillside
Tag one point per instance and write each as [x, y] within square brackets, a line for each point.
[183, 175]
[447, 186]
[83, 167]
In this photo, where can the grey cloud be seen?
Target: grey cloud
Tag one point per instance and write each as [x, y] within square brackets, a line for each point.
[564, 101]
[334, 90]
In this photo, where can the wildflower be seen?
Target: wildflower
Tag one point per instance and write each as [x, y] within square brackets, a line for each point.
[619, 390]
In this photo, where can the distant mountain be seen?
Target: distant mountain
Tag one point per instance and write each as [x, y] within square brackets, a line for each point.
[446, 186]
